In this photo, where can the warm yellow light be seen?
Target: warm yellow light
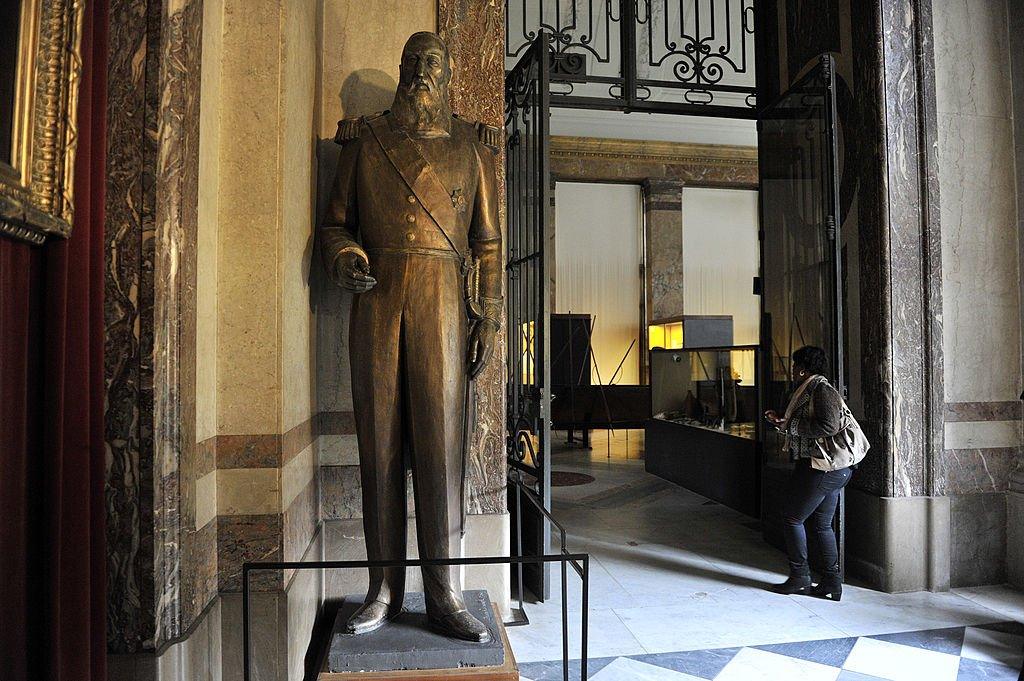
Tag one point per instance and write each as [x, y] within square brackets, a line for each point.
[668, 336]
[743, 366]
[655, 336]
[675, 336]
[527, 356]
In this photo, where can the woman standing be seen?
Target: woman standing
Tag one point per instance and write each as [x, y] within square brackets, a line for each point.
[815, 411]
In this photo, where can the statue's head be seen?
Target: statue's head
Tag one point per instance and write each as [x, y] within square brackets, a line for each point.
[421, 101]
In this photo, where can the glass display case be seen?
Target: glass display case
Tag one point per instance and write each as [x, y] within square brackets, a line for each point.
[704, 425]
[708, 388]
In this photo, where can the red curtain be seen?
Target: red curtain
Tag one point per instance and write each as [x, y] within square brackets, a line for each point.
[52, 563]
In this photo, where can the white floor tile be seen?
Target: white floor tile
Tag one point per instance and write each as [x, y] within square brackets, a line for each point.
[864, 612]
[993, 646]
[723, 620]
[541, 640]
[758, 665]
[1006, 600]
[624, 669]
[901, 663]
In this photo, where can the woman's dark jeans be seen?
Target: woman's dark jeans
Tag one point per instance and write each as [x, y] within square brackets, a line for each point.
[813, 495]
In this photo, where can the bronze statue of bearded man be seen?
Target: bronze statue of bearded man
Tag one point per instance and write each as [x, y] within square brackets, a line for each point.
[412, 230]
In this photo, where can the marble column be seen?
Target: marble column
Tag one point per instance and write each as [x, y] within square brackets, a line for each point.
[133, 97]
[664, 225]
[174, 319]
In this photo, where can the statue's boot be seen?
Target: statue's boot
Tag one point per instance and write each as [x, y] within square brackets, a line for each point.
[447, 614]
[461, 625]
[371, 615]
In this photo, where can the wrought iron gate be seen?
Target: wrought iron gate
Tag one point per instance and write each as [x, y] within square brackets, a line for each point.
[528, 190]
[672, 56]
[801, 301]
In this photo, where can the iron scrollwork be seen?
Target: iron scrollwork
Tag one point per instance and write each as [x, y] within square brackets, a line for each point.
[576, 30]
[669, 54]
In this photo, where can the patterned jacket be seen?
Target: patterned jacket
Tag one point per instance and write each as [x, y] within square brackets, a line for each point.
[818, 414]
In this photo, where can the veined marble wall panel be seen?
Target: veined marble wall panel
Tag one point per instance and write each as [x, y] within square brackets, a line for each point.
[980, 261]
[133, 99]
[475, 34]
[978, 198]
[980, 276]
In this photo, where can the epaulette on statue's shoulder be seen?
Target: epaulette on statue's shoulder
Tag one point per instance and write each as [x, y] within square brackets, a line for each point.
[490, 135]
[487, 134]
[349, 128]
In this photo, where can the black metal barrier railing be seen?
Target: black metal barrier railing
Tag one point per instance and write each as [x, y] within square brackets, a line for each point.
[580, 562]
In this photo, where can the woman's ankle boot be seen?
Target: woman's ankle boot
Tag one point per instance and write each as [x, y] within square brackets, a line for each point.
[830, 588]
[796, 584]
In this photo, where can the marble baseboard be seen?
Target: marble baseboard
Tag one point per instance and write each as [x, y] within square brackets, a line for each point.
[1015, 538]
[898, 544]
[197, 657]
[282, 622]
[978, 539]
[199, 574]
[300, 521]
[244, 538]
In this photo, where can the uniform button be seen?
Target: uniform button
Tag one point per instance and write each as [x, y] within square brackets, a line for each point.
[410, 218]
[410, 236]
[411, 198]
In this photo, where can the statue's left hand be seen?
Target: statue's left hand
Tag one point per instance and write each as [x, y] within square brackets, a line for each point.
[481, 346]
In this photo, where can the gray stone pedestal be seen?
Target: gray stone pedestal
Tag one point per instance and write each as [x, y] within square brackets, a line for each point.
[407, 643]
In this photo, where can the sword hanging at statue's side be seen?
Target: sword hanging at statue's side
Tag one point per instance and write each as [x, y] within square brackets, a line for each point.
[468, 430]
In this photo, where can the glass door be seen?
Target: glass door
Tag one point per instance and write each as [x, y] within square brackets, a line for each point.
[800, 263]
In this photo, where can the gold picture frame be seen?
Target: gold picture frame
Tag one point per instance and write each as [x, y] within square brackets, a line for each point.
[39, 79]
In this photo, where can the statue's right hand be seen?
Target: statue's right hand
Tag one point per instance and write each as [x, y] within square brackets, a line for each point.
[352, 271]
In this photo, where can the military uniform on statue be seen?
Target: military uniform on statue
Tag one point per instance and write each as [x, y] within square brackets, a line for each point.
[412, 229]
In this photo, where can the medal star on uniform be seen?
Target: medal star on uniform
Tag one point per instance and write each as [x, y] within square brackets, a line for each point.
[458, 200]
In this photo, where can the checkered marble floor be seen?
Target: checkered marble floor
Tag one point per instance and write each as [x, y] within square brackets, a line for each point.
[677, 591]
[989, 652]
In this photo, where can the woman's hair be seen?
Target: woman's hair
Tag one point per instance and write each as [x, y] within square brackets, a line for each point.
[811, 358]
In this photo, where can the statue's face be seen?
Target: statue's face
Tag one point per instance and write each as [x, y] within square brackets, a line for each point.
[425, 70]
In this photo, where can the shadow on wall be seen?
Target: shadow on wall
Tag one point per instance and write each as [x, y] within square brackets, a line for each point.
[364, 92]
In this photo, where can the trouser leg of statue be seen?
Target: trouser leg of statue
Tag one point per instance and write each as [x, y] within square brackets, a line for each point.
[409, 372]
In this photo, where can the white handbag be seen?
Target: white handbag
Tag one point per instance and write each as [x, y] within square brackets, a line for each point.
[846, 448]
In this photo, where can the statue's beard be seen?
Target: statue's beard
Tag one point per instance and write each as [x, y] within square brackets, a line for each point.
[423, 111]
